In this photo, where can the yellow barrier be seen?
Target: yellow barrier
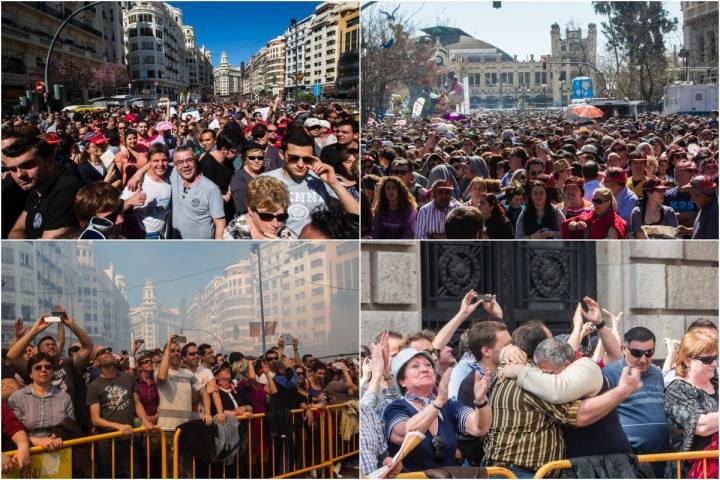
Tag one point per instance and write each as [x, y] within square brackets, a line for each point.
[310, 447]
[648, 458]
[93, 439]
[491, 471]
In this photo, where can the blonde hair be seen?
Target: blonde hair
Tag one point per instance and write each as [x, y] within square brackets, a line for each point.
[694, 343]
[606, 194]
[267, 194]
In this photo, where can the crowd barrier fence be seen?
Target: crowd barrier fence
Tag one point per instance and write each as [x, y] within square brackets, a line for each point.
[113, 437]
[491, 472]
[647, 458]
[317, 446]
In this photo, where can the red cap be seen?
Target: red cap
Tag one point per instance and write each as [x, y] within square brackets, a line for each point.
[99, 139]
[51, 138]
[701, 182]
[548, 180]
[654, 183]
[686, 165]
[615, 174]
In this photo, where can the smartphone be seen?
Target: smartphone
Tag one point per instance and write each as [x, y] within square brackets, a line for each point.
[338, 365]
[140, 340]
[62, 315]
[180, 338]
[52, 319]
[287, 338]
[485, 297]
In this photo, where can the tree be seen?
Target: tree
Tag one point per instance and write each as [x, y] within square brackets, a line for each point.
[635, 32]
[108, 77]
[390, 58]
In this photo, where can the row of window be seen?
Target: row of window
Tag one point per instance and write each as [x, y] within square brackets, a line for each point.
[507, 78]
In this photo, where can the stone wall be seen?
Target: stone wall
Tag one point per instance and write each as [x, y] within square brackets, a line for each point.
[390, 288]
[662, 285]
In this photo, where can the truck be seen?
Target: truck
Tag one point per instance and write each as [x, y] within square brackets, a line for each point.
[688, 98]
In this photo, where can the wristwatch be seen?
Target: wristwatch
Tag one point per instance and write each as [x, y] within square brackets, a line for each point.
[481, 404]
[600, 324]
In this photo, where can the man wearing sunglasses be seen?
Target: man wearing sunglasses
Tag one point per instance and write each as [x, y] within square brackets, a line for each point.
[642, 415]
[626, 200]
[253, 165]
[114, 403]
[310, 182]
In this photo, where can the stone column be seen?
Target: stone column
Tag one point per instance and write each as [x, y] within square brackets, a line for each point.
[390, 296]
[662, 285]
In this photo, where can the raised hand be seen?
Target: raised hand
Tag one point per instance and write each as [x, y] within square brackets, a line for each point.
[615, 319]
[470, 302]
[481, 386]
[493, 308]
[593, 314]
[577, 319]
[630, 381]
[442, 395]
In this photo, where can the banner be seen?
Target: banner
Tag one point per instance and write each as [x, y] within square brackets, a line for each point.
[56, 464]
[466, 96]
[418, 107]
[264, 112]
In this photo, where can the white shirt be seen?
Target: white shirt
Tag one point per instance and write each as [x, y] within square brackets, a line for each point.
[153, 213]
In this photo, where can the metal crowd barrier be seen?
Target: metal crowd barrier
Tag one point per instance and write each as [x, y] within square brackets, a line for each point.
[307, 448]
[648, 458]
[112, 436]
[491, 472]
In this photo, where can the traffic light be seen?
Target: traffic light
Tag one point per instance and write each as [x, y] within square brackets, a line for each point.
[497, 4]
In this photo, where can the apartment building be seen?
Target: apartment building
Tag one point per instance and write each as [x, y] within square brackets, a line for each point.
[36, 276]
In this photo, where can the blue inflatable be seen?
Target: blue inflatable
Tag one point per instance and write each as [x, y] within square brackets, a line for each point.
[582, 87]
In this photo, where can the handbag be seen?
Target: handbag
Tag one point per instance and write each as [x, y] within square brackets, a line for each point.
[696, 467]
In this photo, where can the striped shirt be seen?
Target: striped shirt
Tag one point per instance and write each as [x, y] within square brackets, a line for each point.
[526, 431]
[430, 221]
[626, 202]
[40, 414]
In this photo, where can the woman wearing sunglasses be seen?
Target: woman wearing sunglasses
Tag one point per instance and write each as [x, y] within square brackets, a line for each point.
[601, 222]
[691, 400]
[433, 414]
[41, 406]
[267, 211]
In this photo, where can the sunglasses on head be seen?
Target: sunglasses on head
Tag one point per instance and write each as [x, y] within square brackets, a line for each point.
[637, 353]
[707, 359]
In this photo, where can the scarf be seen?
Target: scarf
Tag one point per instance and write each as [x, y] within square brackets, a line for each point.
[597, 227]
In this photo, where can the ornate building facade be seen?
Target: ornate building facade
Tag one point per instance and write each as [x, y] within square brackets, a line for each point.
[499, 80]
[700, 39]
[152, 322]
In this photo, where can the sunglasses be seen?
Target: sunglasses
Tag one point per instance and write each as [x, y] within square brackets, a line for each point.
[598, 201]
[143, 362]
[707, 360]
[256, 158]
[193, 354]
[43, 366]
[438, 444]
[637, 353]
[296, 158]
[269, 217]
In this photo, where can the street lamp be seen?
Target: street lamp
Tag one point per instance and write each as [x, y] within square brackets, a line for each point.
[255, 248]
[54, 40]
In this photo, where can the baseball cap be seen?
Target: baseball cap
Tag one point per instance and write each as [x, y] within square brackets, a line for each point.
[654, 183]
[701, 182]
[615, 174]
[589, 149]
[312, 122]
[441, 185]
[686, 165]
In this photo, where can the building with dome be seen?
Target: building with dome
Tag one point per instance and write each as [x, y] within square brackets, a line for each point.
[497, 79]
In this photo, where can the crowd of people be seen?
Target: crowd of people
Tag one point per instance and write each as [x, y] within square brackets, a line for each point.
[218, 171]
[48, 398]
[538, 175]
[522, 399]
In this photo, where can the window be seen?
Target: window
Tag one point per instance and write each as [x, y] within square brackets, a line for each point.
[318, 306]
[491, 79]
[318, 277]
[147, 32]
[8, 255]
[524, 78]
[299, 269]
[8, 283]
[540, 78]
[506, 78]
[26, 260]
[318, 291]
[8, 311]
[316, 263]
[132, 32]
[149, 59]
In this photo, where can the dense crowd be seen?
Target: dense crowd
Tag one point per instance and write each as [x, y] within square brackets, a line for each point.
[211, 171]
[538, 175]
[48, 398]
[524, 398]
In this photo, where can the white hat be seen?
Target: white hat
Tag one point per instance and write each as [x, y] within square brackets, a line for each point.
[312, 122]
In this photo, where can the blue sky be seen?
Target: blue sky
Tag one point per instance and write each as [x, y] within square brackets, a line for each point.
[168, 260]
[240, 28]
[520, 27]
